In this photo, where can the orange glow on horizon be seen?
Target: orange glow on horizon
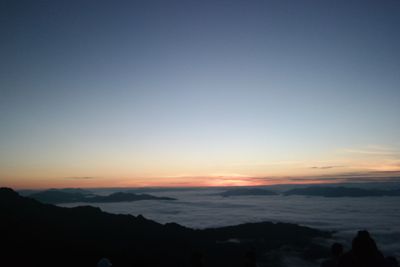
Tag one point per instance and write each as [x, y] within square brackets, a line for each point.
[210, 181]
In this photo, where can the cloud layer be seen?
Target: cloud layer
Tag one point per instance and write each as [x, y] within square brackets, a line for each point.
[202, 208]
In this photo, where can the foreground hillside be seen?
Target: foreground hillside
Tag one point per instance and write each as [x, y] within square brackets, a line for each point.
[37, 234]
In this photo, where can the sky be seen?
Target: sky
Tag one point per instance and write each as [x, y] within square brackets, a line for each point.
[197, 93]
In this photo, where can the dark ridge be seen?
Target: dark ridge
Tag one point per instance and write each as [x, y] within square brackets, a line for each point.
[55, 196]
[248, 192]
[37, 234]
[342, 192]
[122, 196]
[74, 190]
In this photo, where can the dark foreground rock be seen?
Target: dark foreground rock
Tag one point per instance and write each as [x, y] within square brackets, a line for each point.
[36, 234]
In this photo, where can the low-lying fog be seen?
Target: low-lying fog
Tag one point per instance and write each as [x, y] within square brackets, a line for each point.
[203, 208]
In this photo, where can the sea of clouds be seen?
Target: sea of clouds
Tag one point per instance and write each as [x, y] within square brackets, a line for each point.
[204, 208]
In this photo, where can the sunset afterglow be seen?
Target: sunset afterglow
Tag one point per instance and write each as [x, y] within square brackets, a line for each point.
[169, 94]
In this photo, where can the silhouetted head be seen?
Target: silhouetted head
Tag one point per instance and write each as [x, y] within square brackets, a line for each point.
[337, 250]
[363, 234]
[363, 245]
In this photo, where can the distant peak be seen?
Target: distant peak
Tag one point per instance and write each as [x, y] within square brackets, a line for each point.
[6, 191]
[8, 195]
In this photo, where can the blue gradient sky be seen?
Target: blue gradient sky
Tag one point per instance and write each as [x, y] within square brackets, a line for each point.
[189, 92]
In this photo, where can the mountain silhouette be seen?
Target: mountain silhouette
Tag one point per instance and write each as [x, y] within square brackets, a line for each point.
[248, 192]
[341, 191]
[54, 196]
[37, 234]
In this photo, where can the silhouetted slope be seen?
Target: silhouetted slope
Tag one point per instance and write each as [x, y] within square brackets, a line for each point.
[341, 192]
[36, 234]
[248, 192]
[54, 196]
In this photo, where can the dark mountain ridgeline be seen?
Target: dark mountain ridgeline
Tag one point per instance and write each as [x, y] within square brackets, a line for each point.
[248, 192]
[37, 234]
[27, 192]
[54, 196]
[122, 196]
[74, 190]
[341, 191]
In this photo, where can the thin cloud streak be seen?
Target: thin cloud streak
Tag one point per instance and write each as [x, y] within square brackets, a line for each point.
[326, 167]
[372, 176]
[80, 178]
